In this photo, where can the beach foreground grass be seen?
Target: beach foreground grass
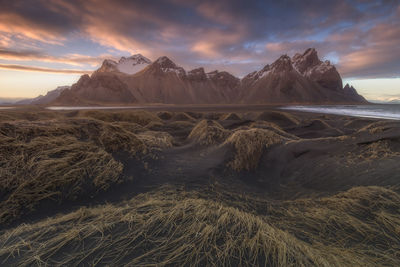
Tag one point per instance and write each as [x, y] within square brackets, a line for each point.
[142, 188]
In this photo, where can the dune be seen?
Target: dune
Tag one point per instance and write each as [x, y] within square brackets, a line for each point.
[167, 187]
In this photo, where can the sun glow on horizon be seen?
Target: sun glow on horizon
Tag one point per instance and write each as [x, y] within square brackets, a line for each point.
[26, 84]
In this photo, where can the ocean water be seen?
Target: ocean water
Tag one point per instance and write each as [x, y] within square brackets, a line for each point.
[379, 111]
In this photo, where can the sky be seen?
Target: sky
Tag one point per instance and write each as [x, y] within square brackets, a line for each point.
[50, 43]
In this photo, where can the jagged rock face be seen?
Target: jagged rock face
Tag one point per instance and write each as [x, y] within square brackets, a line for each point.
[279, 83]
[108, 66]
[224, 80]
[164, 65]
[307, 60]
[310, 66]
[301, 79]
[166, 82]
[197, 75]
[352, 94]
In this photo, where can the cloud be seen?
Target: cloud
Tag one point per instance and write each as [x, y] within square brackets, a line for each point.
[363, 34]
[40, 69]
[70, 59]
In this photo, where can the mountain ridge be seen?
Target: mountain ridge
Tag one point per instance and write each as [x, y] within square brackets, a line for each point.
[304, 78]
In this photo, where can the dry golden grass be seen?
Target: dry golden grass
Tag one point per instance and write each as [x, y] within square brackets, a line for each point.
[372, 151]
[208, 132]
[379, 127]
[281, 118]
[171, 227]
[62, 159]
[130, 127]
[249, 146]
[182, 116]
[272, 127]
[139, 117]
[28, 114]
[56, 169]
[155, 140]
[230, 116]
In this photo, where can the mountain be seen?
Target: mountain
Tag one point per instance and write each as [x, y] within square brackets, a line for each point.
[304, 78]
[43, 99]
[9, 101]
[301, 79]
[351, 93]
[130, 65]
[162, 81]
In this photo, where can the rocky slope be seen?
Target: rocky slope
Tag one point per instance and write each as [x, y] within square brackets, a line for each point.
[301, 79]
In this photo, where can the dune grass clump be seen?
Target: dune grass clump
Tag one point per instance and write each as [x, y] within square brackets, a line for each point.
[249, 146]
[370, 152]
[182, 116]
[130, 127]
[230, 117]
[272, 127]
[115, 139]
[156, 140]
[51, 169]
[283, 119]
[208, 132]
[139, 117]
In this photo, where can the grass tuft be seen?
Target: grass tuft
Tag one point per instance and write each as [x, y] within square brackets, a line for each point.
[249, 146]
[208, 132]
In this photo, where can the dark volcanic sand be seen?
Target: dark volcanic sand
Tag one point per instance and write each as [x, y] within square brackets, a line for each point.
[318, 156]
[333, 153]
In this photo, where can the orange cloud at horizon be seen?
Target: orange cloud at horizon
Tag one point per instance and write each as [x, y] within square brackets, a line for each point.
[40, 69]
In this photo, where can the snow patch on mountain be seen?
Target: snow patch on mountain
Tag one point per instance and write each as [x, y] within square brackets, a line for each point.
[133, 64]
[167, 65]
[129, 65]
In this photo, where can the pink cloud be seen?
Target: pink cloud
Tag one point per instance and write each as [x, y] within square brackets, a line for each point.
[40, 69]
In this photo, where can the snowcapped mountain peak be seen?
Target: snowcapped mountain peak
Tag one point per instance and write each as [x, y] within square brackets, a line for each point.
[132, 64]
[128, 65]
[283, 63]
[164, 61]
[135, 59]
[167, 65]
[307, 60]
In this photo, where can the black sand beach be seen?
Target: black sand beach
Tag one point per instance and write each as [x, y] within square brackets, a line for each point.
[251, 185]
